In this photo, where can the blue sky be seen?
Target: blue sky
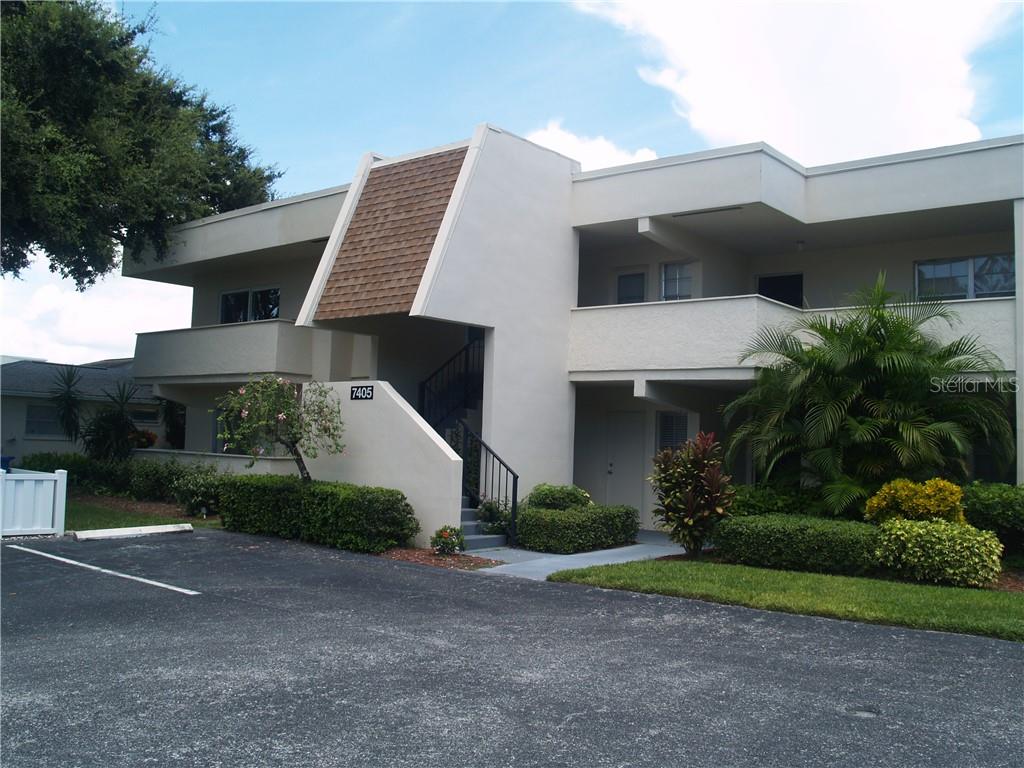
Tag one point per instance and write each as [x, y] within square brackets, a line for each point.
[315, 85]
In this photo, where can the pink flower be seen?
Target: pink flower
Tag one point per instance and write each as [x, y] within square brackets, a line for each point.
[241, 390]
[281, 417]
[245, 414]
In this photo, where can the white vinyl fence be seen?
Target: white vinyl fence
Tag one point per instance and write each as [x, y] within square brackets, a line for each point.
[32, 503]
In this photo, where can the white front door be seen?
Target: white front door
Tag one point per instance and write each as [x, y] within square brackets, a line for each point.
[625, 441]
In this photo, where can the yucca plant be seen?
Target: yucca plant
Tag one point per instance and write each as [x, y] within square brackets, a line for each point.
[66, 396]
[852, 400]
[110, 433]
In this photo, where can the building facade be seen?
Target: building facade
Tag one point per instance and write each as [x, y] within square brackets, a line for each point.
[574, 322]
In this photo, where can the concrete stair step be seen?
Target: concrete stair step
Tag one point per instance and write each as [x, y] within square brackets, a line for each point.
[471, 528]
[484, 541]
[468, 514]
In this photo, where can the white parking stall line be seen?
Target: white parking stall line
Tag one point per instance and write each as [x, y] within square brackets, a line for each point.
[107, 571]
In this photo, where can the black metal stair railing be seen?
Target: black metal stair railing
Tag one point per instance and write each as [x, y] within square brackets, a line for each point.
[454, 386]
[485, 476]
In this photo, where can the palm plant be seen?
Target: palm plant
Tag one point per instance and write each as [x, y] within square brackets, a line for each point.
[852, 400]
[109, 434]
[67, 398]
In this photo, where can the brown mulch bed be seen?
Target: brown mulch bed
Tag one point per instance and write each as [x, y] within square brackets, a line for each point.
[124, 504]
[451, 562]
[1010, 581]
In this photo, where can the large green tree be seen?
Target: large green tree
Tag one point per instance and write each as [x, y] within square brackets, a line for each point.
[101, 150]
[846, 402]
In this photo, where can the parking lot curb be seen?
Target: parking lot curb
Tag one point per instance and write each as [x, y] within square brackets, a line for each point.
[125, 533]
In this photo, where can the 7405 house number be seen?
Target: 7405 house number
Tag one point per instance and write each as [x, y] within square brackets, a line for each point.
[364, 392]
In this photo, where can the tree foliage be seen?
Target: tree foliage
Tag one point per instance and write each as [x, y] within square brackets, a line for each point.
[274, 411]
[101, 150]
[847, 402]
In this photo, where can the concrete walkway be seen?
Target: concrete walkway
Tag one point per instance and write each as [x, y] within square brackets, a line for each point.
[538, 566]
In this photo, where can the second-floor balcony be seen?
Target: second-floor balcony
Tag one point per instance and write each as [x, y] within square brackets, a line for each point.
[704, 338]
[225, 353]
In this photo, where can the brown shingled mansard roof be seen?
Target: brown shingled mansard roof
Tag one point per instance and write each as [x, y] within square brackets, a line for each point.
[384, 251]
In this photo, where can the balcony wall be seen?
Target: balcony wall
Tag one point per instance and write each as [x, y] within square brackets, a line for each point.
[704, 338]
[225, 353]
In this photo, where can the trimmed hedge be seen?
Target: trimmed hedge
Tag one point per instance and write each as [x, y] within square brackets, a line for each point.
[547, 496]
[153, 480]
[84, 473]
[566, 531]
[999, 508]
[798, 543]
[940, 552]
[358, 518]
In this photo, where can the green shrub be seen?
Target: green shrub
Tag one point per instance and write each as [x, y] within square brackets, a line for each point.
[448, 540]
[197, 488]
[547, 496]
[270, 505]
[940, 551]
[84, 473]
[755, 500]
[356, 517]
[153, 480]
[997, 507]
[359, 518]
[565, 531]
[495, 516]
[798, 543]
[934, 499]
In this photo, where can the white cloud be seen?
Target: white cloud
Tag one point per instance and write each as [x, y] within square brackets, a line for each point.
[596, 152]
[44, 316]
[822, 82]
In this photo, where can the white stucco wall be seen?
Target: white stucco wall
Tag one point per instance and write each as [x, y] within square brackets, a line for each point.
[506, 259]
[237, 465]
[388, 444]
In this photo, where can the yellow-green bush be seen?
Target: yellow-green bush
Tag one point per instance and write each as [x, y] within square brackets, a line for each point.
[940, 552]
[935, 499]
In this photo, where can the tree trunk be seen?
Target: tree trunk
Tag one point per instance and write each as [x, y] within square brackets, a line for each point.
[293, 449]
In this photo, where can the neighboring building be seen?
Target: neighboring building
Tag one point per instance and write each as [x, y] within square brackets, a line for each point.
[29, 419]
[577, 320]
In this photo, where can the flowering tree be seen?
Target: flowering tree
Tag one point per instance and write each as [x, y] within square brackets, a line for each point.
[272, 410]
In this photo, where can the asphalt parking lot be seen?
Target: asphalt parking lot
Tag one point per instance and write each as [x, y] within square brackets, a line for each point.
[296, 655]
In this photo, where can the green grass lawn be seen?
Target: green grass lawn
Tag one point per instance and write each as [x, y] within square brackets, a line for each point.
[971, 611]
[81, 516]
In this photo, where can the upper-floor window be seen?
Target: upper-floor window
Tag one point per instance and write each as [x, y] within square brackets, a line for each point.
[41, 421]
[256, 304]
[971, 277]
[630, 288]
[676, 282]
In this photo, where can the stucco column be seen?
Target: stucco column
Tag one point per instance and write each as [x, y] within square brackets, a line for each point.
[1018, 248]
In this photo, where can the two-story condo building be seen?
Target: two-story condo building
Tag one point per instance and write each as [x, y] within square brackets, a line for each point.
[575, 321]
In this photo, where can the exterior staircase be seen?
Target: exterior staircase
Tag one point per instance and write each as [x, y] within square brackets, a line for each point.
[472, 530]
[450, 400]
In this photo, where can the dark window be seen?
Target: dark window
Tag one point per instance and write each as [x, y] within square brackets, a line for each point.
[144, 415]
[676, 282]
[671, 429]
[789, 289]
[945, 279]
[973, 277]
[993, 276]
[631, 288]
[42, 421]
[234, 307]
[265, 304]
